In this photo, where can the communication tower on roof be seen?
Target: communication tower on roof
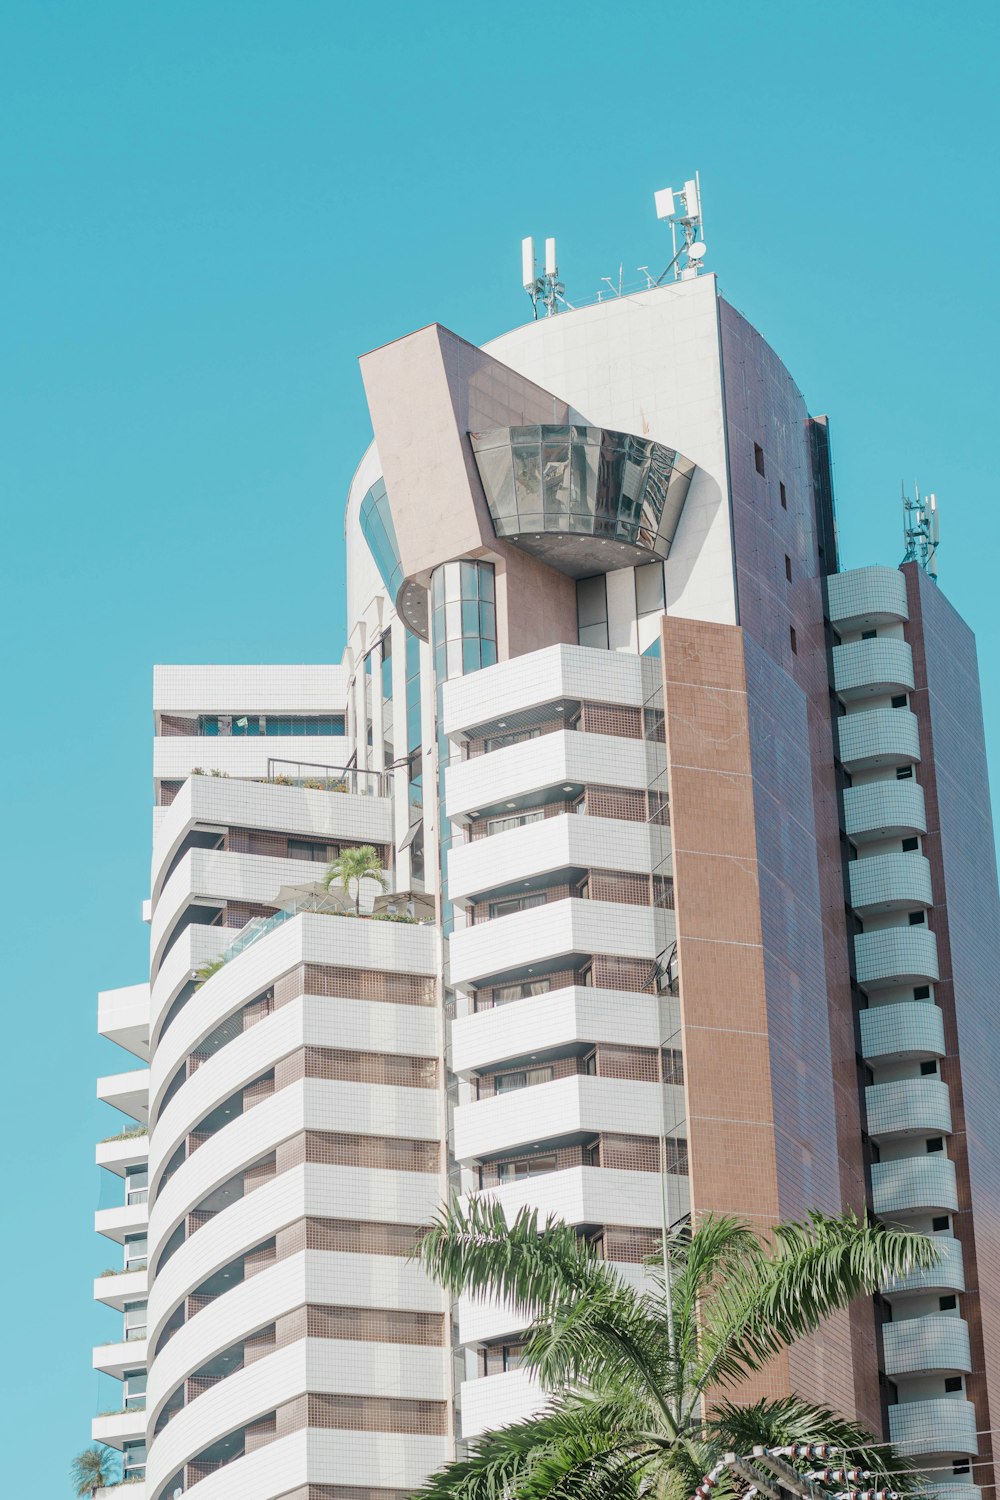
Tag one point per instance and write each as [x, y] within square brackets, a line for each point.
[546, 290]
[921, 532]
[681, 207]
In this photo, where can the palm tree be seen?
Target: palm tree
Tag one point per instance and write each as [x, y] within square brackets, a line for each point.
[93, 1469]
[631, 1373]
[353, 866]
[206, 970]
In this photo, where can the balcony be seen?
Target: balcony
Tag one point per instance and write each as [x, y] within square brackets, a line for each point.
[945, 1425]
[115, 1288]
[884, 810]
[123, 1219]
[555, 760]
[890, 882]
[947, 1276]
[560, 1018]
[115, 1359]
[567, 842]
[936, 1344]
[563, 1107]
[864, 598]
[878, 737]
[872, 669]
[909, 1106]
[914, 1185]
[555, 674]
[911, 1029]
[123, 1017]
[118, 1427]
[566, 930]
[128, 1092]
[896, 955]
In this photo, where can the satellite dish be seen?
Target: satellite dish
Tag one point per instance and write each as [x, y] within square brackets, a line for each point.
[697, 250]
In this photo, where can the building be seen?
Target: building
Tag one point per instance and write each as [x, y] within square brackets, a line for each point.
[688, 845]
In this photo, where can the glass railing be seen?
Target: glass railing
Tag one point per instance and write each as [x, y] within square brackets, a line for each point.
[350, 779]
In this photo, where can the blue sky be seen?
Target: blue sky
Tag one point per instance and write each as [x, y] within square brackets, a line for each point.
[210, 209]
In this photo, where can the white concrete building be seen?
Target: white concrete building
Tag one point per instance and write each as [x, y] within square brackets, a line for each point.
[668, 927]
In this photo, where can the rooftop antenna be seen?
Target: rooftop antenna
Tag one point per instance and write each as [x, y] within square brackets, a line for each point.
[546, 290]
[921, 531]
[681, 207]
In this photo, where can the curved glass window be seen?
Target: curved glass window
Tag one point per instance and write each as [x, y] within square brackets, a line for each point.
[380, 534]
[584, 499]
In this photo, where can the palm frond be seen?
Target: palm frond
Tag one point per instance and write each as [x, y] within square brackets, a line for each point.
[810, 1270]
[774, 1424]
[475, 1251]
[509, 1460]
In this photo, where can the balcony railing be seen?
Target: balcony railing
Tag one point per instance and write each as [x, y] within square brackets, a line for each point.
[934, 1343]
[878, 737]
[910, 1028]
[943, 1425]
[914, 1184]
[318, 778]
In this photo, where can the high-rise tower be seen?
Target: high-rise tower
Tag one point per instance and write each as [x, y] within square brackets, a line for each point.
[691, 906]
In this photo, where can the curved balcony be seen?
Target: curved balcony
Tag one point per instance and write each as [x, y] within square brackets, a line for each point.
[932, 1345]
[563, 758]
[909, 1106]
[594, 1195]
[890, 882]
[336, 1366]
[306, 938]
[566, 842]
[872, 669]
[313, 1456]
[945, 1425]
[562, 1107]
[556, 674]
[215, 877]
[566, 930]
[878, 737]
[304, 1192]
[301, 812]
[896, 955]
[910, 1029]
[914, 1185]
[947, 1276]
[864, 598]
[336, 1278]
[884, 810]
[560, 1018]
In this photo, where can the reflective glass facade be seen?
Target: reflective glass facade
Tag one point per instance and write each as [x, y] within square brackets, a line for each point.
[380, 534]
[587, 482]
[463, 639]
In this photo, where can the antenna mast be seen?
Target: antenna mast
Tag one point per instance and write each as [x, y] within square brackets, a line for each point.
[547, 290]
[687, 218]
[921, 532]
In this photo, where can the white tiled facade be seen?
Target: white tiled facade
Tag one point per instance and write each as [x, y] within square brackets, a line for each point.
[317, 1083]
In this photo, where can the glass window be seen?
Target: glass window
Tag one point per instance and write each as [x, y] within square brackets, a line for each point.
[510, 904]
[530, 1166]
[516, 820]
[135, 1251]
[524, 1078]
